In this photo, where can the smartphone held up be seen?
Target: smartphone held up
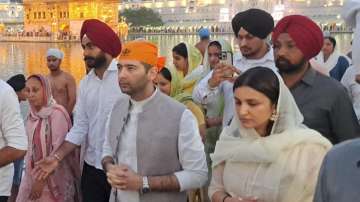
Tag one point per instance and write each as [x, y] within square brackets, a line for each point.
[226, 58]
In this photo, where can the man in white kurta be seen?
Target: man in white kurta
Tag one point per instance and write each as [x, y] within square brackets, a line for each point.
[153, 150]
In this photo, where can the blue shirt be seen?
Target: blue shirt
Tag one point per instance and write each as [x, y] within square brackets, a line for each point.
[339, 70]
[339, 179]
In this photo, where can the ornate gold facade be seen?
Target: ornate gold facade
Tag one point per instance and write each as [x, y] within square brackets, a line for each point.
[65, 17]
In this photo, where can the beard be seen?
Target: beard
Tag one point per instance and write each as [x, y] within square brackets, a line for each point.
[95, 62]
[247, 52]
[286, 67]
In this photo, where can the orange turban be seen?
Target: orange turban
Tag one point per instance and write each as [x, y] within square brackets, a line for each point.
[140, 50]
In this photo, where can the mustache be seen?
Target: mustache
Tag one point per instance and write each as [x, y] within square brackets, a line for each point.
[282, 59]
[245, 47]
[89, 58]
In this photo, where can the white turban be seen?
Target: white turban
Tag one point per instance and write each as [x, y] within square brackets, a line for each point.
[55, 52]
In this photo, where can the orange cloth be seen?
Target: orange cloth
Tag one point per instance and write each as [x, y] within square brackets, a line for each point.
[160, 63]
[140, 50]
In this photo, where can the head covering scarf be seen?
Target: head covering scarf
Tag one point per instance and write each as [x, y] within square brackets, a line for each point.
[242, 145]
[257, 22]
[194, 60]
[55, 52]
[176, 91]
[225, 46]
[41, 118]
[215, 109]
[17, 82]
[330, 63]
[351, 15]
[102, 36]
[40, 131]
[140, 50]
[305, 32]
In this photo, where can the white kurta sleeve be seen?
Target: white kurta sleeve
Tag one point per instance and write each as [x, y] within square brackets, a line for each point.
[80, 128]
[11, 123]
[191, 154]
[107, 151]
[202, 93]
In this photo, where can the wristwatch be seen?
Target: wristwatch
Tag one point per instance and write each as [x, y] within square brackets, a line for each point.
[145, 187]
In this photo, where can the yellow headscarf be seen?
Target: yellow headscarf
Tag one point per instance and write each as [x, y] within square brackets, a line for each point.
[176, 91]
[194, 60]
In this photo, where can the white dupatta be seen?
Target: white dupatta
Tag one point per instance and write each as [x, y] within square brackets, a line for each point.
[330, 63]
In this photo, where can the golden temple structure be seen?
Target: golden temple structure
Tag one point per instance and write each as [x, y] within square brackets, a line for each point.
[65, 17]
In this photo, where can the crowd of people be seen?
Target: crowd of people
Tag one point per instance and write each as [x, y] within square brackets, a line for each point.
[40, 34]
[176, 29]
[272, 123]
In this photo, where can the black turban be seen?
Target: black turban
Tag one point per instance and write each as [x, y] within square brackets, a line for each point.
[17, 82]
[255, 21]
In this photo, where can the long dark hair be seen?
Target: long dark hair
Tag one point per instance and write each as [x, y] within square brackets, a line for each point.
[181, 50]
[261, 79]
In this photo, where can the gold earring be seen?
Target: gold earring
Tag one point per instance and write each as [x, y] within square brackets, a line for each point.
[274, 116]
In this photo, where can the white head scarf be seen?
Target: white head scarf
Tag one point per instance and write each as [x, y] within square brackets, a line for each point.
[202, 70]
[55, 52]
[225, 46]
[330, 63]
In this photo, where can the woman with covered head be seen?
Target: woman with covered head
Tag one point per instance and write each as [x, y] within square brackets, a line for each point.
[46, 126]
[213, 55]
[214, 110]
[329, 58]
[186, 60]
[266, 154]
